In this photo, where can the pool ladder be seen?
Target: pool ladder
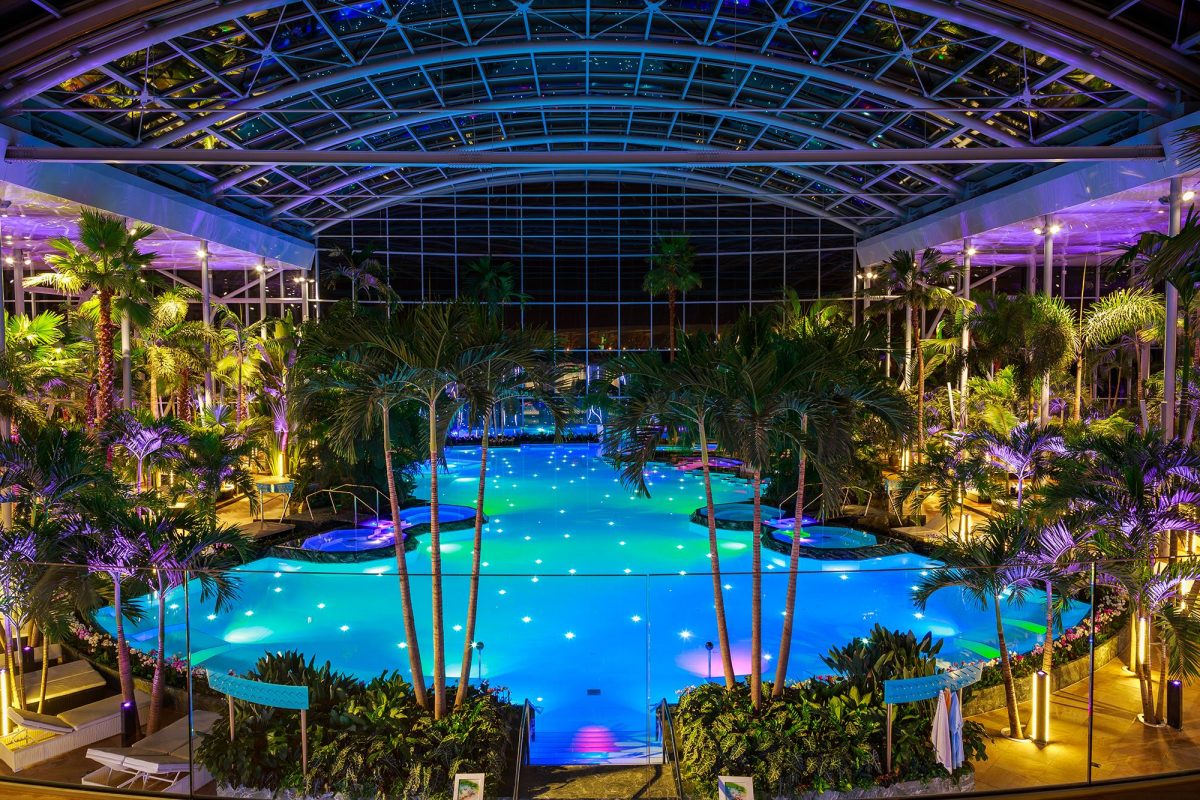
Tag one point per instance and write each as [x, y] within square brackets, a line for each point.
[345, 489]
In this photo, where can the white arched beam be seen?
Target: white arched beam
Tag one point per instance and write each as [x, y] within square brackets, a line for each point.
[663, 176]
[588, 140]
[585, 101]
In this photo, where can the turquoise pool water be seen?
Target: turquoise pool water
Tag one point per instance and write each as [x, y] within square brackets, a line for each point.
[594, 604]
[379, 533]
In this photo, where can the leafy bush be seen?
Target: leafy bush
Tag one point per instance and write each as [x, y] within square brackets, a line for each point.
[365, 739]
[794, 743]
[825, 733]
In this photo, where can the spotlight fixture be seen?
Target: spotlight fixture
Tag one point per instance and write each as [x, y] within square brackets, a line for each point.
[1189, 195]
[1055, 228]
[970, 251]
[202, 253]
[1037, 231]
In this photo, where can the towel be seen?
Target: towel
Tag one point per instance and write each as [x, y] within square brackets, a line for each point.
[940, 735]
[956, 731]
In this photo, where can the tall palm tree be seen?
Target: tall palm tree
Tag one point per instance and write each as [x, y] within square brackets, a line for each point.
[429, 344]
[1134, 317]
[916, 283]
[238, 362]
[751, 415]
[988, 569]
[1058, 547]
[659, 399]
[672, 273]
[173, 349]
[1033, 334]
[527, 370]
[364, 394]
[108, 260]
[177, 544]
[836, 386]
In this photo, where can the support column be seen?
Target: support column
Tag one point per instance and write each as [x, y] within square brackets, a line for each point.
[206, 314]
[262, 297]
[304, 282]
[965, 343]
[1049, 229]
[1171, 339]
[21, 259]
[1031, 271]
[6, 509]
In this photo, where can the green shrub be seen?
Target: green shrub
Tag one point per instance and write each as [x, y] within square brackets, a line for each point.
[365, 739]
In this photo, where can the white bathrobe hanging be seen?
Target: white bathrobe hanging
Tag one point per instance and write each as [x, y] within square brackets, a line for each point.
[956, 730]
[940, 735]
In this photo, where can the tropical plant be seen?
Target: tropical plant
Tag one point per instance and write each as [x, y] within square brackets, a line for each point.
[173, 351]
[493, 284]
[1028, 451]
[672, 273]
[1134, 317]
[989, 569]
[107, 259]
[951, 467]
[149, 442]
[214, 457]
[361, 268]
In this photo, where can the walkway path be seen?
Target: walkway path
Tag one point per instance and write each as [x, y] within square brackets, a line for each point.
[1122, 746]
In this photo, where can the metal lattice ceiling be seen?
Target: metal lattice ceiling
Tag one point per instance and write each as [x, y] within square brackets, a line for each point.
[605, 74]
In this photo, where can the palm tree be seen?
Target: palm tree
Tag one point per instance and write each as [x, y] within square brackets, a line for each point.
[1057, 550]
[659, 399]
[178, 544]
[672, 272]
[363, 394]
[211, 458]
[147, 440]
[836, 386]
[527, 370]
[915, 284]
[492, 284]
[1027, 451]
[428, 345]
[276, 361]
[755, 407]
[39, 370]
[1133, 491]
[238, 363]
[1134, 317]
[361, 268]
[108, 260]
[1033, 334]
[987, 569]
[173, 349]
[950, 468]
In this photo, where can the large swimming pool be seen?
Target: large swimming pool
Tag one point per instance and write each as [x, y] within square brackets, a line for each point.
[594, 604]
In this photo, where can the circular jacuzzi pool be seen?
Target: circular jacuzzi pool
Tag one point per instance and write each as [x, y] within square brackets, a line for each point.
[740, 516]
[829, 537]
[378, 534]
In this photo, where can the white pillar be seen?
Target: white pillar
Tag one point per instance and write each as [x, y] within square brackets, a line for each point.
[21, 259]
[6, 518]
[1170, 340]
[262, 297]
[968, 251]
[1031, 271]
[1048, 230]
[206, 314]
[304, 282]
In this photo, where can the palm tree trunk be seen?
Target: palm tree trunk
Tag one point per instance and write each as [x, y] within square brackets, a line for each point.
[104, 360]
[1010, 693]
[124, 668]
[412, 644]
[1077, 406]
[906, 382]
[435, 571]
[1160, 705]
[160, 664]
[464, 675]
[920, 393]
[45, 672]
[10, 673]
[1143, 370]
[789, 604]
[756, 598]
[1048, 641]
[714, 558]
[155, 412]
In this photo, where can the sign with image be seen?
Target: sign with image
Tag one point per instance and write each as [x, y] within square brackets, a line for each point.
[468, 786]
[730, 788]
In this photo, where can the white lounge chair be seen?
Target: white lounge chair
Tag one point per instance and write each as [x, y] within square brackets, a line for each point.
[62, 681]
[39, 737]
[162, 762]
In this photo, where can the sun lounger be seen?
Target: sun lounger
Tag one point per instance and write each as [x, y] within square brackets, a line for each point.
[67, 686]
[162, 762]
[38, 737]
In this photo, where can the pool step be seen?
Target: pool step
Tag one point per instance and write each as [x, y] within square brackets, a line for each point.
[593, 745]
[597, 782]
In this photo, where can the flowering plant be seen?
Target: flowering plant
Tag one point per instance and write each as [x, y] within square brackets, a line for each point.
[101, 648]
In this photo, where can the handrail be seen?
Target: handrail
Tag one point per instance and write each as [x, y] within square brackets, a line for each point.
[526, 734]
[666, 731]
[331, 492]
[380, 497]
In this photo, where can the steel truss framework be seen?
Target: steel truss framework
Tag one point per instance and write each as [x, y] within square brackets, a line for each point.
[622, 75]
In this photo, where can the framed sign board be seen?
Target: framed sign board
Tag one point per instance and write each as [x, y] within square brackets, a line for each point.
[731, 788]
[468, 786]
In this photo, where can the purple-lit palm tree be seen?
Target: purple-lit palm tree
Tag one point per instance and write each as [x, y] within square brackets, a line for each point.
[1057, 550]
[1029, 451]
[147, 440]
[182, 544]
